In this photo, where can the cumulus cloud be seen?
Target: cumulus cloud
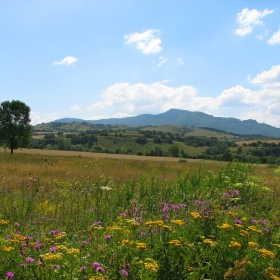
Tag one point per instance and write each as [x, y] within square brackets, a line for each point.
[270, 78]
[147, 42]
[247, 19]
[275, 39]
[76, 108]
[68, 60]
[262, 35]
[162, 60]
[36, 119]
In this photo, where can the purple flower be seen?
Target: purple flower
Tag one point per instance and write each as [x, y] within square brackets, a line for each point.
[55, 266]
[266, 229]
[84, 243]
[124, 272]
[17, 224]
[143, 233]
[10, 275]
[263, 222]
[127, 265]
[37, 246]
[108, 237]
[227, 194]
[134, 201]
[123, 215]
[99, 269]
[236, 192]
[29, 260]
[23, 265]
[237, 221]
[83, 268]
[95, 264]
[97, 224]
[53, 249]
[254, 221]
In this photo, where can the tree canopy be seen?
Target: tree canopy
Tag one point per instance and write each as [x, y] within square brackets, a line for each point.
[15, 128]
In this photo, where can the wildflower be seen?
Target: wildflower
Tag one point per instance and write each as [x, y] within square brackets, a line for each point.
[254, 221]
[17, 224]
[95, 264]
[124, 272]
[10, 275]
[143, 233]
[237, 221]
[225, 226]
[98, 277]
[266, 230]
[244, 233]
[252, 228]
[210, 242]
[97, 224]
[99, 269]
[126, 242]
[105, 188]
[151, 264]
[253, 244]
[53, 249]
[29, 260]
[234, 244]
[178, 222]
[266, 253]
[176, 243]
[141, 245]
[195, 215]
[230, 214]
[263, 222]
[133, 222]
[4, 222]
[7, 249]
[73, 251]
[83, 268]
[108, 237]
[277, 245]
[84, 243]
[51, 256]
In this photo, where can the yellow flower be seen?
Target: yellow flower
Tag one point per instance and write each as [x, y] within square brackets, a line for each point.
[126, 242]
[176, 243]
[142, 246]
[7, 249]
[97, 277]
[4, 222]
[244, 233]
[238, 225]
[252, 228]
[210, 241]
[234, 244]
[253, 244]
[277, 245]
[231, 214]
[73, 251]
[225, 226]
[196, 215]
[266, 253]
[151, 264]
[178, 222]
[51, 256]
[167, 227]
[154, 223]
[132, 222]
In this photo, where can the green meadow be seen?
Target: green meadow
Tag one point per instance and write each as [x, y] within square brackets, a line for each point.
[77, 217]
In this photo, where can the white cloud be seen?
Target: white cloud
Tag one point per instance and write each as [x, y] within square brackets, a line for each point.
[275, 39]
[76, 108]
[270, 78]
[262, 35]
[246, 20]
[162, 60]
[36, 119]
[180, 61]
[96, 106]
[147, 42]
[68, 60]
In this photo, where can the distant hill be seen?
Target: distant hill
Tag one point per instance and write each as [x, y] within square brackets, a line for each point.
[187, 118]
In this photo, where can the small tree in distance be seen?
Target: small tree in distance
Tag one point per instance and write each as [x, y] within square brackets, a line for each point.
[15, 128]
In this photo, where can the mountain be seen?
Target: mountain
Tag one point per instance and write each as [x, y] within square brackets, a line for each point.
[187, 118]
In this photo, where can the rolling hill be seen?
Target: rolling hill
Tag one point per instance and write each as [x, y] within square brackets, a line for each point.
[188, 118]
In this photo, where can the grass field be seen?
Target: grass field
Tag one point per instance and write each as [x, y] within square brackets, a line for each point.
[74, 215]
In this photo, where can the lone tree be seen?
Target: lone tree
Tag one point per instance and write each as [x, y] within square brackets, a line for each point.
[15, 128]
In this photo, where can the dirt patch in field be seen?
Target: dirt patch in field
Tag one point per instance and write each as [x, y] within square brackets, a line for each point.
[254, 141]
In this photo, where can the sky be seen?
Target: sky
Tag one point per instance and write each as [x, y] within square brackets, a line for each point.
[118, 58]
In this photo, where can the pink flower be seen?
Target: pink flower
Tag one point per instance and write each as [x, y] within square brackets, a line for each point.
[124, 272]
[10, 275]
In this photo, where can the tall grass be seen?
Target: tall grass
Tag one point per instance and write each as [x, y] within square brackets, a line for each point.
[76, 218]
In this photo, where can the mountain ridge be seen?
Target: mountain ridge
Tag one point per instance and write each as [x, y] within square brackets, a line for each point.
[188, 118]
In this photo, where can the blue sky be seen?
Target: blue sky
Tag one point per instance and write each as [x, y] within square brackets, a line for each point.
[100, 59]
